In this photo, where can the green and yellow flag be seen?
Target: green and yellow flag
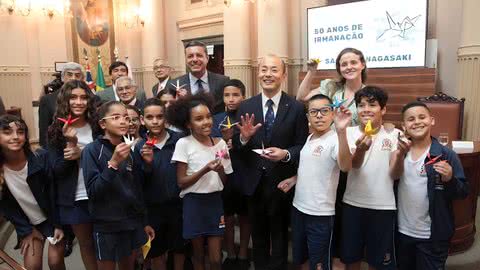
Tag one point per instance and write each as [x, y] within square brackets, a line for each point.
[100, 78]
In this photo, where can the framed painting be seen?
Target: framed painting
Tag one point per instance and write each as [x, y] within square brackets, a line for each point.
[93, 33]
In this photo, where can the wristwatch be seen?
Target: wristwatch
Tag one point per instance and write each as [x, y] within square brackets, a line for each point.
[287, 157]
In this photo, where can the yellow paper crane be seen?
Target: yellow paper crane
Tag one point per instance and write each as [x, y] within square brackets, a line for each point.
[146, 248]
[316, 60]
[229, 124]
[369, 131]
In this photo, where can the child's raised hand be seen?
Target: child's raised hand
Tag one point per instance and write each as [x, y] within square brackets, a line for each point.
[72, 152]
[403, 145]
[312, 65]
[147, 153]
[70, 133]
[363, 143]
[120, 154]
[343, 118]
[444, 169]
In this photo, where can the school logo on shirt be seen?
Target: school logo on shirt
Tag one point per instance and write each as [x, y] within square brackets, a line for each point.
[221, 225]
[387, 145]
[422, 172]
[318, 150]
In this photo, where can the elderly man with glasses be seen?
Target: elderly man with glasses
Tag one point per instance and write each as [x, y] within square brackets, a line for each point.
[126, 90]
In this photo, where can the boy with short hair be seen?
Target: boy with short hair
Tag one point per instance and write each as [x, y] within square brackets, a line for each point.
[164, 206]
[432, 177]
[368, 217]
[234, 202]
[322, 157]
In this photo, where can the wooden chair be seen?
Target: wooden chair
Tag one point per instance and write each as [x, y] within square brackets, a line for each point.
[448, 114]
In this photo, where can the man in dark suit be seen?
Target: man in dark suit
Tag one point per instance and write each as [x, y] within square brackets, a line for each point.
[116, 70]
[48, 103]
[198, 78]
[277, 123]
[127, 92]
[162, 71]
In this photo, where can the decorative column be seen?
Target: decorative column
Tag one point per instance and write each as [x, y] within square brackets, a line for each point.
[468, 84]
[237, 52]
[272, 31]
[295, 63]
[153, 38]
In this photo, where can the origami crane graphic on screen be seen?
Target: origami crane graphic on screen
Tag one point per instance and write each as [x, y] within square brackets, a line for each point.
[398, 29]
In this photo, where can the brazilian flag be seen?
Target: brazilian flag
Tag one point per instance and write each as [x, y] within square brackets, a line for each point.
[100, 78]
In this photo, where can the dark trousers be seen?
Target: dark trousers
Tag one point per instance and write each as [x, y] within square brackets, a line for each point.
[420, 254]
[269, 211]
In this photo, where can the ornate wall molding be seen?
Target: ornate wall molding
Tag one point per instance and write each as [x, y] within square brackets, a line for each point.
[15, 69]
[198, 22]
[468, 51]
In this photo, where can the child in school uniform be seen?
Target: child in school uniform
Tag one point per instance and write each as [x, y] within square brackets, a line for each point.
[368, 217]
[164, 206]
[26, 195]
[113, 180]
[234, 201]
[203, 163]
[65, 144]
[134, 127]
[322, 157]
[432, 178]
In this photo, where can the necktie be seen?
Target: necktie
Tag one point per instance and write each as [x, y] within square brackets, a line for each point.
[200, 86]
[269, 119]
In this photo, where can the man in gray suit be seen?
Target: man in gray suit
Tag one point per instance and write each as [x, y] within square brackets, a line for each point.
[198, 78]
[162, 71]
[116, 70]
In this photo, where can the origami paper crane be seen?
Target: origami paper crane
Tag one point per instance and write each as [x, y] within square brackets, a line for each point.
[128, 139]
[316, 60]
[178, 86]
[229, 124]
[146, 248]
[222, 154]
[369, 130]
[69, 120]
[151, 141]
[337, 103]
[52, 240]
[262, 151]
[432, 160]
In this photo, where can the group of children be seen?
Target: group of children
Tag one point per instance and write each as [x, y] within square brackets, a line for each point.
[124, 181]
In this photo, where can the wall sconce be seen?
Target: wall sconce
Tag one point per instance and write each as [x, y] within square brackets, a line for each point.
[52, 7]
[132, 16]
[22, 7]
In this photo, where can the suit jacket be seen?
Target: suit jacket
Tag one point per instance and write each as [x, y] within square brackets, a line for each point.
[289, 131]
[46, 110]
[155, 87]
[215, 85]
[108, 95]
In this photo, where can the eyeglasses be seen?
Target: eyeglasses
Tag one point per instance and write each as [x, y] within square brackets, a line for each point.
[323, 111]
[117, 117]
[134, 120]
[125, 88]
